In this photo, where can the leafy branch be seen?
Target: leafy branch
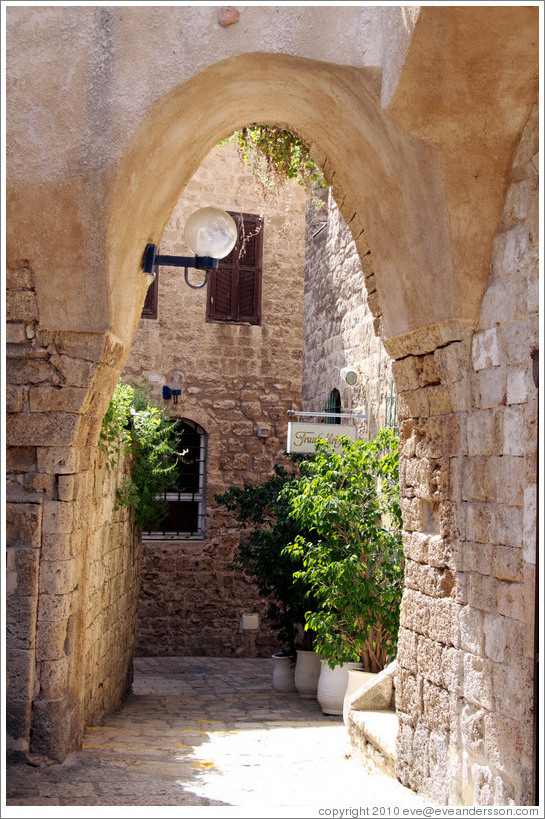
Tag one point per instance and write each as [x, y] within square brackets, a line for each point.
[275, 155]
[134, 427]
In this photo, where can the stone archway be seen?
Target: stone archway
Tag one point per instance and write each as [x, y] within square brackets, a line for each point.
[427, 322]
[398, 194]
[401, 182]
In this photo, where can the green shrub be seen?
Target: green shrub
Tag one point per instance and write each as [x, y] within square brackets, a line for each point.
[354, 562]
[133, 426]
[264, 513]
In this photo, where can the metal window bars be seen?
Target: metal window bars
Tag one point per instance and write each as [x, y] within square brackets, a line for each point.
[350, 415]
[390, 419]
[185, 503]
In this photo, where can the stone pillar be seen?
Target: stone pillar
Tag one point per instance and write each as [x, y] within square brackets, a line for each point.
[433, 397]
[58, 388]
[468, 483]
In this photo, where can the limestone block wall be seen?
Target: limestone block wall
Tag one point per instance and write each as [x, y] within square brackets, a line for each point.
[468, 479]
[69, 556]
[112, 582]
[339, 327]
[236, 379]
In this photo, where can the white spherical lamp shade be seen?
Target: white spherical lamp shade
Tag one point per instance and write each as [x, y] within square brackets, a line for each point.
[175, 380]
[210, 232]
[349, 376]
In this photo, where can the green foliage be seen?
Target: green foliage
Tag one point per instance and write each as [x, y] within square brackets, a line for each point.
[264, 513]
[115, 437]
[354, 564]
[134, 427]
[275, 154]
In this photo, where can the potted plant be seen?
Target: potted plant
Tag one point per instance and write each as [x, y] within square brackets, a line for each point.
[265, 516]
[353, 564]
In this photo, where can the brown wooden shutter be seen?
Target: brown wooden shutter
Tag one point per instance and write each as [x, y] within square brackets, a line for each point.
[249, 272]
[152, 296]
[234, 290]
[220, 293]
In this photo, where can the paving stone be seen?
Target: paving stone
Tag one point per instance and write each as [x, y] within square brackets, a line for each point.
[210, 732]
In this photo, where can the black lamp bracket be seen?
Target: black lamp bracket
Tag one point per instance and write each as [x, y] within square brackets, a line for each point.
[151, 258]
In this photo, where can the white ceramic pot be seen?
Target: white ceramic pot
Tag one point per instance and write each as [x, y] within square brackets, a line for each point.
[307, 672]
[332, 685]
[284, 674]
[356, 678]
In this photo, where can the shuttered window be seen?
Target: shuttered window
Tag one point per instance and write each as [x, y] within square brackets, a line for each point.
[234, 289]
[150, 304]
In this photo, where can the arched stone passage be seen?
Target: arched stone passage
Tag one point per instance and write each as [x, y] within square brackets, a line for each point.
[406, 171]
[382, 178]
[429, 289]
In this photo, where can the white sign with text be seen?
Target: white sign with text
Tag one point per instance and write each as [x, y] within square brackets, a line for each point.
[302, 437]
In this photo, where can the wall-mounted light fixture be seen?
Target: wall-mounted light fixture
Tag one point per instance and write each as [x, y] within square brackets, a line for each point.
[349, 375]
[210, 233]
[174, 388]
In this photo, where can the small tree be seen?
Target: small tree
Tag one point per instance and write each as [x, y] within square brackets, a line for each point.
[354, 564]
[264, 513]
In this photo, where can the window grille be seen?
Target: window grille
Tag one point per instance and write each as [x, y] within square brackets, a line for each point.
[333, 404]
[184, 518]
[391, 410]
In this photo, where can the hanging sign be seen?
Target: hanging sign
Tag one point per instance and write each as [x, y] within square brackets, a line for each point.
[302, 437]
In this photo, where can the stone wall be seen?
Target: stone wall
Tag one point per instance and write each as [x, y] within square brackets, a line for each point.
[468, 480]
[236, 379]
[112, 572]
[70, 561]
[339, 327]
[23, 517]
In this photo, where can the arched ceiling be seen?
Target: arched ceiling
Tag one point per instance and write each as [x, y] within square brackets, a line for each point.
[384, 179]
[421, 183]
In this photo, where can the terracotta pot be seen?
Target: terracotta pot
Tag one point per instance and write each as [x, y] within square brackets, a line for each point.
[307, 672]
[332, 685]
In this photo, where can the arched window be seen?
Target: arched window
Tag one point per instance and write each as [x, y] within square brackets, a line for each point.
[333, 404]
[185, 512]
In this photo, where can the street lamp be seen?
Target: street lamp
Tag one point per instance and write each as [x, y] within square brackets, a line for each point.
[210, 233]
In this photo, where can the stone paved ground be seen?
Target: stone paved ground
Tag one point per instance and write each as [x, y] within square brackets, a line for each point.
[212, 733]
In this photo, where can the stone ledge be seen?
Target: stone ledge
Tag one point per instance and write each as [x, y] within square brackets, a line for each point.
[372, 722]
[373, 736]
[377, 693]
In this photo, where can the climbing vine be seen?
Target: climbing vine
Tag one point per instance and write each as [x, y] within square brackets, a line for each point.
[134, 427]
[275, 154]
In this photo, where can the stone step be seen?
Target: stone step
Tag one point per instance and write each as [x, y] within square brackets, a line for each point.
[373, 737]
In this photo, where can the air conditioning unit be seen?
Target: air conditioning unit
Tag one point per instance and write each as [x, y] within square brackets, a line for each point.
[349, 376]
